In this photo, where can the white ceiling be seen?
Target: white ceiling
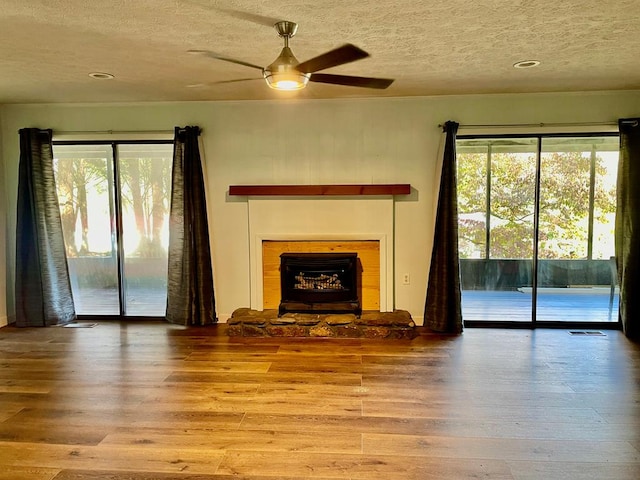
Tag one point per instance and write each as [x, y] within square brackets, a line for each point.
[48, 47]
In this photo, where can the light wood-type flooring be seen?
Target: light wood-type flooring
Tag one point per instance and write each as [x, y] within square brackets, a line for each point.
[133, 401]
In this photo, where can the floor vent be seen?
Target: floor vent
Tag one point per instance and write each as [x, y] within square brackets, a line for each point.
[591, 333]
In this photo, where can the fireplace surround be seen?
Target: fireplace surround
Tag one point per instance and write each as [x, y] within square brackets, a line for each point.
[326, 219]
[319, 282]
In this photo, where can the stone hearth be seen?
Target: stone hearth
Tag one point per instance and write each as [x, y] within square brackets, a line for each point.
[246, 322]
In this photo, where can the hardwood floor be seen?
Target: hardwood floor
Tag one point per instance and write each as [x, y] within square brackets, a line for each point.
[133, 401]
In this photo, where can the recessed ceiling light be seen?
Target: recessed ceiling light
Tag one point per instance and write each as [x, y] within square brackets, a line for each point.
[526, 64]
[101, 76]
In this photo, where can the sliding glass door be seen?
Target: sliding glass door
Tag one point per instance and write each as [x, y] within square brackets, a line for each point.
[144, 173]
[576, 276]
[114, 204]
[536, 220]
[496, 211]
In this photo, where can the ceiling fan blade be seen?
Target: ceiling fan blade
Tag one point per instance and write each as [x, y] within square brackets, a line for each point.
[236, 80]
[210, 84]
[252, 17]
[210, 54]
[338, 56]
[351, 81]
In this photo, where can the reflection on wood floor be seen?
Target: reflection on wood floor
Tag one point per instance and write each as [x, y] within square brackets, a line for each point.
[148, 400]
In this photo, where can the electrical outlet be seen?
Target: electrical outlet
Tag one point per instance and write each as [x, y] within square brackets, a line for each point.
[406, 279]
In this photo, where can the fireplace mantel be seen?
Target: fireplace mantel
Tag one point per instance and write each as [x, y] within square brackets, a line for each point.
[320, 190]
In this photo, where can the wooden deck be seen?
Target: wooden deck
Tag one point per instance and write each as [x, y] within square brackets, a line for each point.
[142, 302]
[554, 305]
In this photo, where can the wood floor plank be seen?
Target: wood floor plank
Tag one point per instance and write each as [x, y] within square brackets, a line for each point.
[223, 366]
[262, 404]
[142, 458]
[625, 415]
[262, 440]
[167, 390]
[33, 432]
[27, 473]
[437, 356]
[524, 470]
[389, 348]
[115, 417]
[86, 375]
[458, 409]
[150, 366]
[237, 348]
[302, 391]
[214, 355]
[333, 423]
[312, 366]
[362, 466]
[501, 449]
[114, 475]
[314, 378]
[25, 386]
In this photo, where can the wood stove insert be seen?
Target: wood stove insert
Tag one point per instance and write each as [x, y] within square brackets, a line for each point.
[321, 282]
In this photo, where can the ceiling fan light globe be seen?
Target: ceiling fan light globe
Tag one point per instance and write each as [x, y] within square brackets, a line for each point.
[287, 85]
[286, 80]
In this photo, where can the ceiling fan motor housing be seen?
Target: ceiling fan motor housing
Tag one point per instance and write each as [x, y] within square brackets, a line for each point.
[282, 74]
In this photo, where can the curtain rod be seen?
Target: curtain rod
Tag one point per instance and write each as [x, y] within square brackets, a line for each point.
[112, 132]
[530, 125]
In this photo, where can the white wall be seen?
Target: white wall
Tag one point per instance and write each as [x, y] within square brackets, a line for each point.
[315, 141]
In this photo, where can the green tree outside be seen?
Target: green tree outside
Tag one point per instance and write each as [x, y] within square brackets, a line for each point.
[564, 204]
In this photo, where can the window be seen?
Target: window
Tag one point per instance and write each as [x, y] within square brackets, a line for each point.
[114, 204]
[578, 197]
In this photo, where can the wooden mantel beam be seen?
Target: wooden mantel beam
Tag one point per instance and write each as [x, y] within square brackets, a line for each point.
[317, 190]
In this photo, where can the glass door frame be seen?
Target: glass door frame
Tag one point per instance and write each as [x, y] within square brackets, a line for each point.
[534, 323]
[115, 208]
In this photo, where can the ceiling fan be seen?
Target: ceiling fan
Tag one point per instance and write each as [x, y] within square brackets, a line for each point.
[286, 73]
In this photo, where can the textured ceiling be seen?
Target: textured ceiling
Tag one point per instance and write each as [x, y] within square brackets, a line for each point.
[48, 47]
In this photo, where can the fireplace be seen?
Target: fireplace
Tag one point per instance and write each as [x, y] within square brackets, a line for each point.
[332, 223]
[320, 282]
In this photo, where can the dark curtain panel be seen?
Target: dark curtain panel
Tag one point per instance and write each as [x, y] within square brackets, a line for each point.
[628, 226]
[43, 290]
[190, 297]
[443, 309]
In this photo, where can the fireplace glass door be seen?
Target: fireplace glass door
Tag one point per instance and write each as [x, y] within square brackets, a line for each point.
[319, 282]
